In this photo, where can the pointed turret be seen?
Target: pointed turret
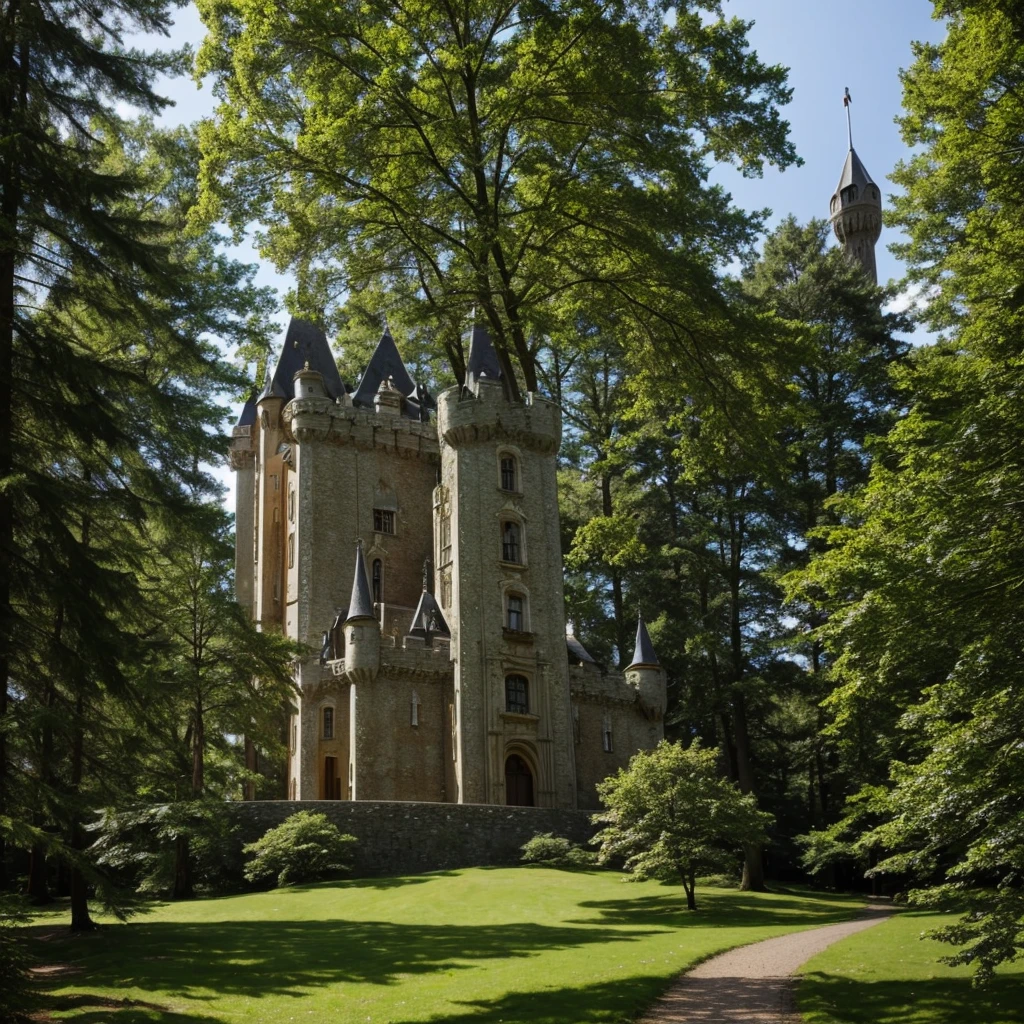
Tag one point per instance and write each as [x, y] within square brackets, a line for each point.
[646, 674]
[305, 347]
[643, 651]
[360, 605]
[428, 619]
[482, 362]
[856, 213]
[362, 631]
[248, 414]
[385, 367]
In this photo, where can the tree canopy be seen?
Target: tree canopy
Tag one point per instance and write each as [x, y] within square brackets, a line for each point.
[525, 160]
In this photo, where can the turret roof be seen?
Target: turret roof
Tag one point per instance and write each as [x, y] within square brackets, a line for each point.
[428, 618]
[384, 363]
[482, 360]
[578, 651]
[304, 342]
[360, 605]
[643, 652]
[854, 173]
[248, 416]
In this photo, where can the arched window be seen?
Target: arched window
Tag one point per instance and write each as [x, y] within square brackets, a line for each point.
[511, 542]
[509, 473]
[328, 723]
[518, 782]
[517, 689]
[378, 580]
[515, 617]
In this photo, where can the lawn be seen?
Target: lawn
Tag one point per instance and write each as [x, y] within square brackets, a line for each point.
[889, 975]
[481, 945]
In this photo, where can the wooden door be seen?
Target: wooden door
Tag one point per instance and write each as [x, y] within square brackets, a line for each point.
[518, 782]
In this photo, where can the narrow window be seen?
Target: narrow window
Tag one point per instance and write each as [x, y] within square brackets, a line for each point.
[510, 546]
[291, 504]
[291, 550]
[383, 520]
[293, 789]
[277, 514]
[328, 723]
[606, 735]
[446, 590]
[516, 694]
[295, 737]
[446, 539]
[378, 580]
[508, 473]
[515, 612]
[414, 709]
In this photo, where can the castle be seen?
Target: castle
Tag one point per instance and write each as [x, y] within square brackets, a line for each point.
[414, 548]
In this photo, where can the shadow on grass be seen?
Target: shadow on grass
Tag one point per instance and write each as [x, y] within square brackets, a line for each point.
[201, 961]
[935, 1000]
[720, 909]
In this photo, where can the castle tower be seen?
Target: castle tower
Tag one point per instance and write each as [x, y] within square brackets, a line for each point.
[646, 674]
[499, 574]
[856, 213]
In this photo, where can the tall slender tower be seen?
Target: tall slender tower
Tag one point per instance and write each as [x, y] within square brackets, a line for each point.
[856, 213]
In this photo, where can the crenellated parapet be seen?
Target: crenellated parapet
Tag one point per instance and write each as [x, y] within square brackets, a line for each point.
[465, 418]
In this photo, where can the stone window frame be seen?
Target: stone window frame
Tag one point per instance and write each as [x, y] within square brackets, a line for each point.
[523, 709]
[518, 520]
[291, 549]
[607, 736]
[414, 709]
[515, 588]
[328, 713]
[377, 580]
[385, 521]
[513, 453]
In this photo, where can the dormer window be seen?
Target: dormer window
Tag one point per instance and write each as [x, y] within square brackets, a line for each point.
[383, 520]
[509, 473]
[511, 542]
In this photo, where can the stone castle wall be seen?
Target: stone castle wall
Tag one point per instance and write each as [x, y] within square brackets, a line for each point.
[405, 838]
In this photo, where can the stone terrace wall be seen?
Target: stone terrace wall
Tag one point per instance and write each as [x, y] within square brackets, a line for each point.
[404, 838]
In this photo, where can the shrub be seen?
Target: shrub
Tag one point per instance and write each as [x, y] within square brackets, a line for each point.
[304, 848]
[14, 961]
[557, 852]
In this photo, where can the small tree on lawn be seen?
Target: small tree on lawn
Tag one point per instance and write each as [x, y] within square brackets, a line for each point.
[304, 848]
[671, 813]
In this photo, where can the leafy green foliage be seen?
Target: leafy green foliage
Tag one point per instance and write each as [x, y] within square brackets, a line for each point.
[557, 852]
[921, 581]
[671, 814]
[525, 160]
[306, 847]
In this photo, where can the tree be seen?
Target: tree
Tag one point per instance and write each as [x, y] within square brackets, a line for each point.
[305, 847]
[671, 813]
[921, 582]
[522, 159]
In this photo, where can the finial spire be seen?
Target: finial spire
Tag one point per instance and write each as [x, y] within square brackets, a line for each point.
[847, 100]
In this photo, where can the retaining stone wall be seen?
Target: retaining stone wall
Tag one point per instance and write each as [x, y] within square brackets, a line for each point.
[397, 837]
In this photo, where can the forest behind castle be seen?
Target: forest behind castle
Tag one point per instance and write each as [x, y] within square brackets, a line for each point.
[820, 522]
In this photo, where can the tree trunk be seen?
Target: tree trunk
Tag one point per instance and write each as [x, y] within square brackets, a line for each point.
[182, 869]
[80, 919]
[11, 99]
[38, 889]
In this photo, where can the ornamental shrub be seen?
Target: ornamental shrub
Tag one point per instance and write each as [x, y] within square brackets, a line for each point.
[557, 852]
[304, 848]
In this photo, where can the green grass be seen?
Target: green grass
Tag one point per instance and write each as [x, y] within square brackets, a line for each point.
[481, 945]
[890, 975]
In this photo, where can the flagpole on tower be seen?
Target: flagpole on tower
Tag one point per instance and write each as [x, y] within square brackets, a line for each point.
[847, 100]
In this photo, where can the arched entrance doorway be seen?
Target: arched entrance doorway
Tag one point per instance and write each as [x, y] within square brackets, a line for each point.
[518, 782]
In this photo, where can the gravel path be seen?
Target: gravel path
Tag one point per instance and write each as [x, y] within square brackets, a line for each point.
[752, 984]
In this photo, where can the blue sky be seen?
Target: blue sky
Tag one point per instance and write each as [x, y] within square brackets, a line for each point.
[828, 45]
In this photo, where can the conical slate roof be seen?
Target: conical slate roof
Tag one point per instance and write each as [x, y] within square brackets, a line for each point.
[578, 651]
[643, 653]
[248, 416]
[482, 360]
[854, 173]
[385, 362]
[360, 605]
[428, 618]
[304, 343]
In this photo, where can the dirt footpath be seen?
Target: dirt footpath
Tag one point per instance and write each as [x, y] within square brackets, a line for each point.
[752, 984]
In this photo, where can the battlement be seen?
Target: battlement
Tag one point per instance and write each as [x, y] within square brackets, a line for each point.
[465, 417]
[588, 682]
[341, 423]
